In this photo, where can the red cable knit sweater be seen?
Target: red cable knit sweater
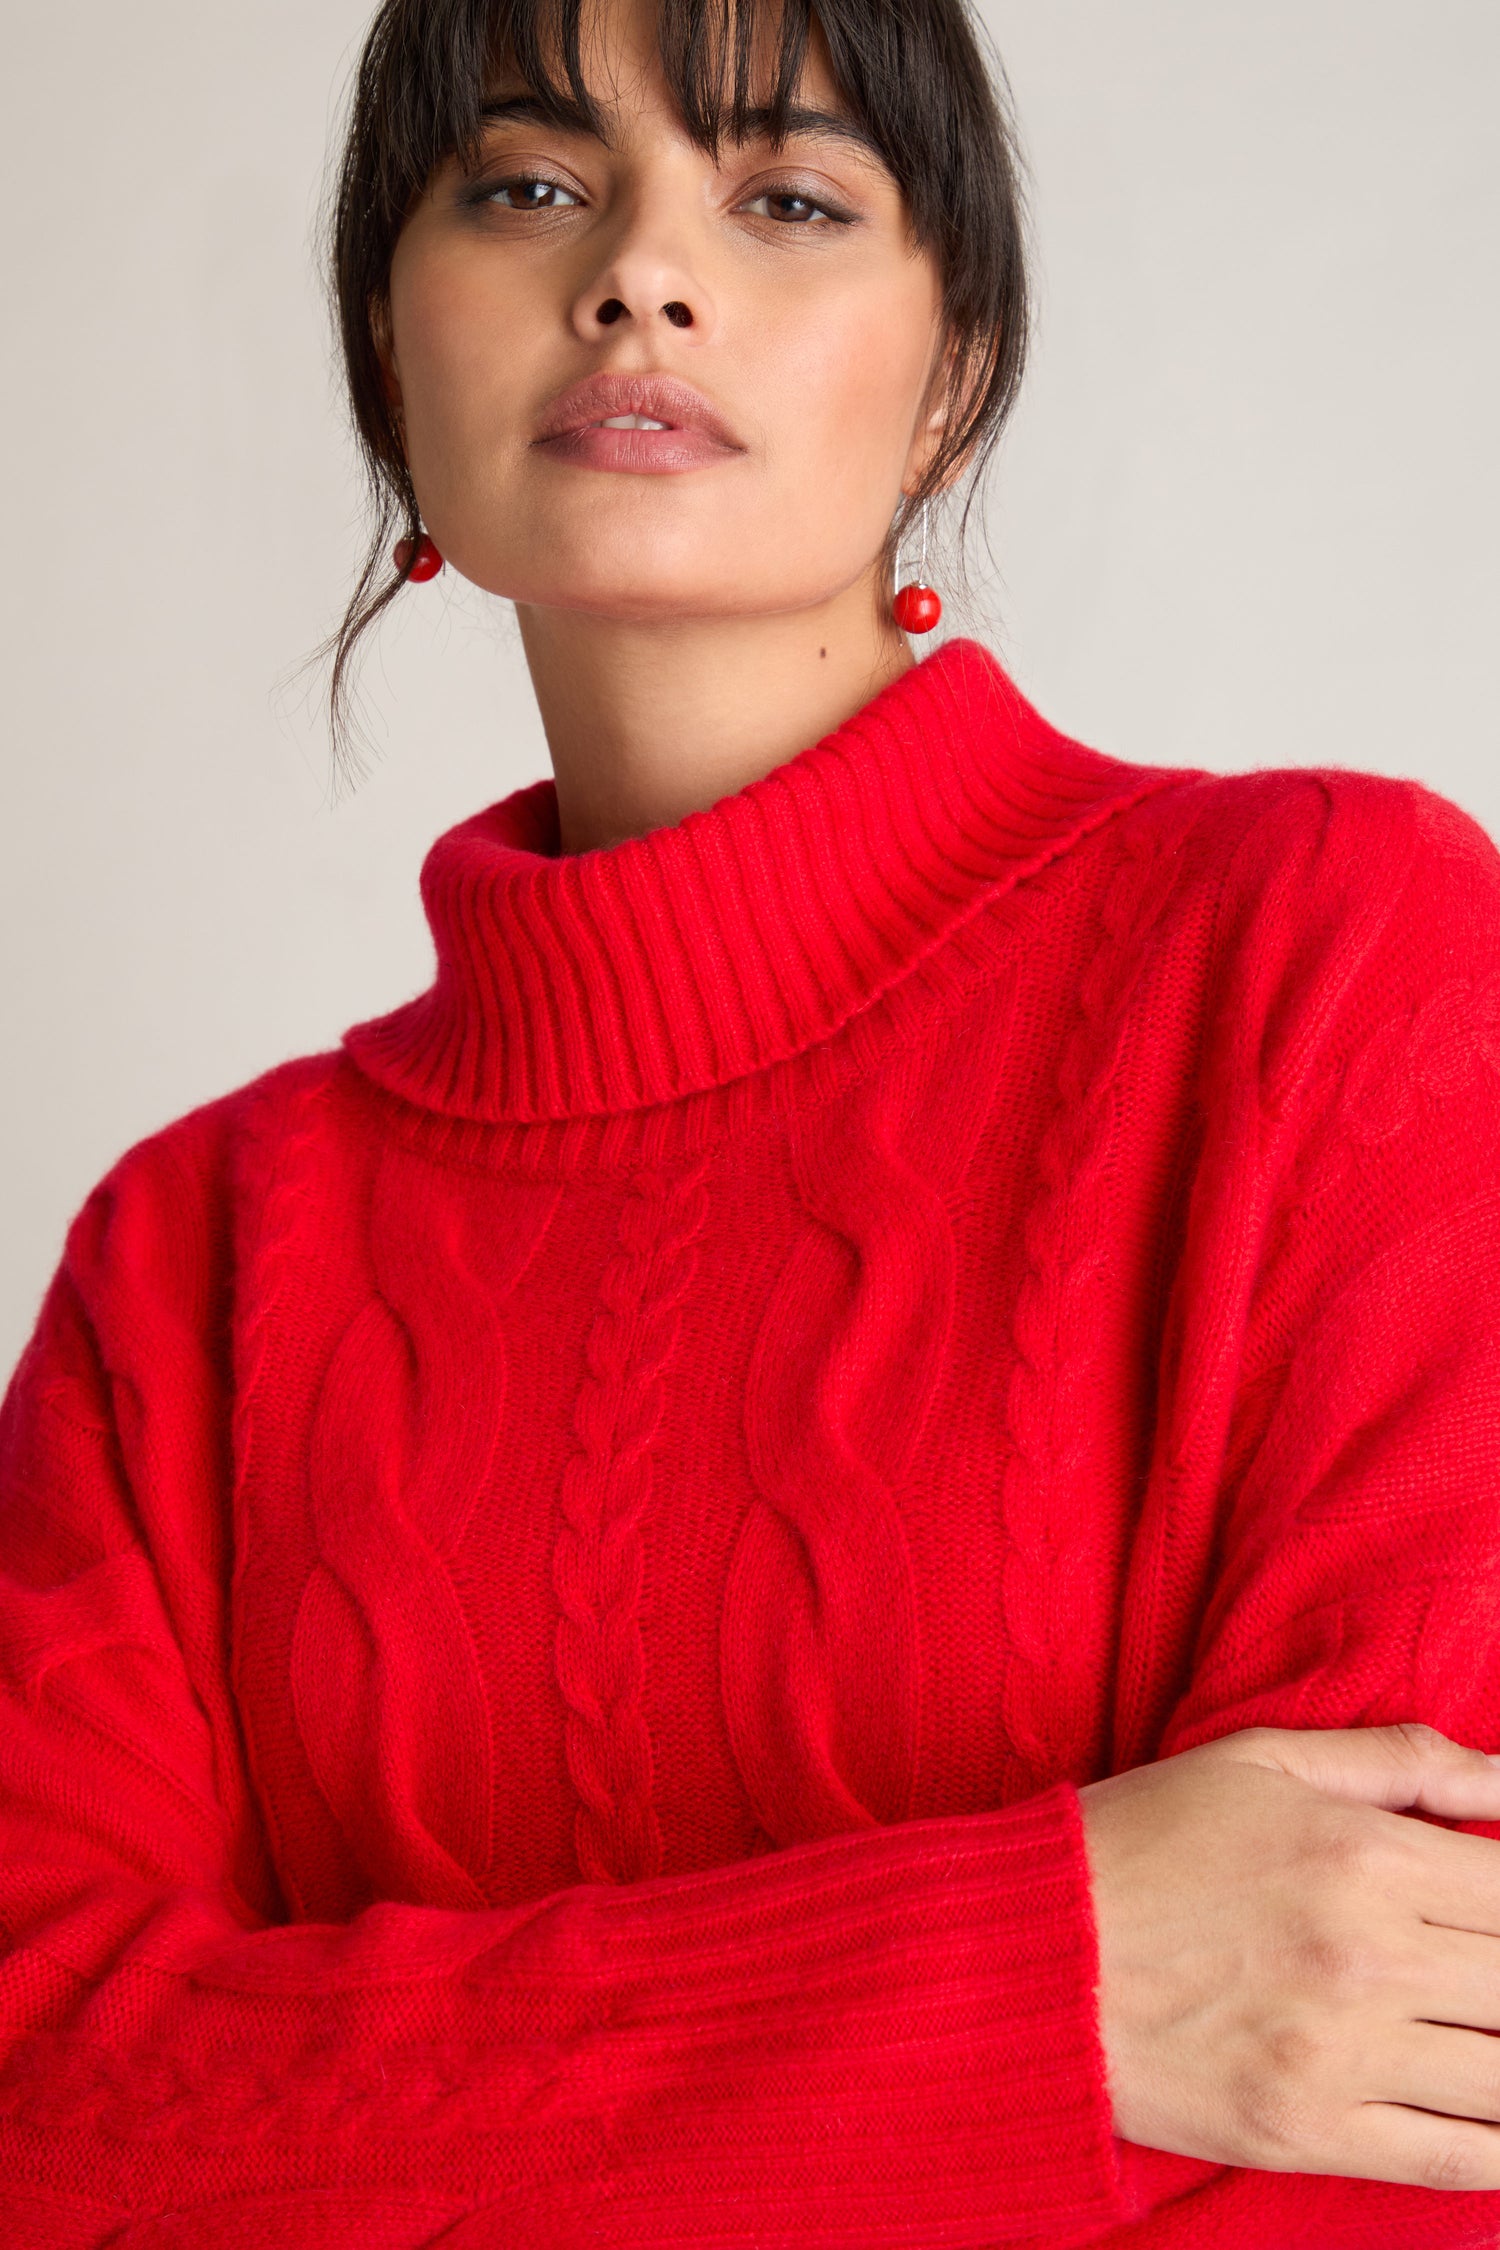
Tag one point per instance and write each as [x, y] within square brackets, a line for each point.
[560, 1565]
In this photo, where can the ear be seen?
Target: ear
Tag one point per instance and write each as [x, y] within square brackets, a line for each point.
[385, 352]
[938, 407]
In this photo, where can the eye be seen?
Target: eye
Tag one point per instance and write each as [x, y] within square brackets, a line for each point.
[527, 191]
[791, 207]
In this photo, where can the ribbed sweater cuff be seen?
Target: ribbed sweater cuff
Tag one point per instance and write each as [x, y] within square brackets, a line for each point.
[912, 2016]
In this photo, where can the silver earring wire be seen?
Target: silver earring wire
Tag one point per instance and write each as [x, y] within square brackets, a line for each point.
[921, 577]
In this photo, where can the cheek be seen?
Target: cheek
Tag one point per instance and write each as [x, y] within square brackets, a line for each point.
[461, 349]
[844, 394]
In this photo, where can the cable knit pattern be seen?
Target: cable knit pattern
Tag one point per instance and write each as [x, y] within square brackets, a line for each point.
[606, 1489]
[561, 1565]
[1057, 1370]
[423, 1363]
[855, 1334]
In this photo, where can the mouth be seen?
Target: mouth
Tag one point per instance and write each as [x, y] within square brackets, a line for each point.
[648, 401]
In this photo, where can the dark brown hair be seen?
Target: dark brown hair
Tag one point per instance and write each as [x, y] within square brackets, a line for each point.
[912, 74]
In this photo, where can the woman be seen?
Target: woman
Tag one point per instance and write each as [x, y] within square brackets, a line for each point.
[777, 1567]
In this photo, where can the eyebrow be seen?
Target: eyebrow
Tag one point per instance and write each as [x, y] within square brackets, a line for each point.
[558, 111]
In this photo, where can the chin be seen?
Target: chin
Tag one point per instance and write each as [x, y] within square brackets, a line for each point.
[637, 592]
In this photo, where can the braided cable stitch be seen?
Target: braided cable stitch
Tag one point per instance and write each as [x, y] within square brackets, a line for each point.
[1051, 1400]
[606, 1490]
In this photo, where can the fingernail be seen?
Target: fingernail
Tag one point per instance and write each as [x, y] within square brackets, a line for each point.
[1493, 1756]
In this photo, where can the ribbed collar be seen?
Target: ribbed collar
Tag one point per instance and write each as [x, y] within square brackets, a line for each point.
[588, 983]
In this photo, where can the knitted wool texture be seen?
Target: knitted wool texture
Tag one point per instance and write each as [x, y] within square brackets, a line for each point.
[561, 1564]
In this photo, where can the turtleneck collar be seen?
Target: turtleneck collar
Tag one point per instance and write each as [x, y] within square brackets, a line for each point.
[587, 983]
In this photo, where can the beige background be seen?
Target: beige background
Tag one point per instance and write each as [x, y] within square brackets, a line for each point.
[1247, 514]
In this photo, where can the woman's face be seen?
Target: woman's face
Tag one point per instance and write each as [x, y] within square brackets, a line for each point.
[791, 326]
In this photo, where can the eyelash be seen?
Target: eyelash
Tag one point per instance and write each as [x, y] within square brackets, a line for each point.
[492, 191]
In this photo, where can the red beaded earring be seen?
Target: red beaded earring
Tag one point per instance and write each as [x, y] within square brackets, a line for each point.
[421, 561]
[917, 607]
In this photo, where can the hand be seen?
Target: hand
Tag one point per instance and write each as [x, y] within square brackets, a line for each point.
[1294, 1977]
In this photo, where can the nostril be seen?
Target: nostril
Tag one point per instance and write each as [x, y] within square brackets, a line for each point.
[610, 311]
[678, 313]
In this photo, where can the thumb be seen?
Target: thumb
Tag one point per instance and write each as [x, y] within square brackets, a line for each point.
[1408, 1767]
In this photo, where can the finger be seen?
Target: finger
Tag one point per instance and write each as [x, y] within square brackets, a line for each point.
[1402, 1768]
[1451, 1880]
[1413, 2147]
[1438, 2067]
[1452, 1977]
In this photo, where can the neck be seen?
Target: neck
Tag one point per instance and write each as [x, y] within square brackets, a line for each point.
[647, 722]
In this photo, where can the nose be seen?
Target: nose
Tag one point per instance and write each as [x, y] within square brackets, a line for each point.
[615, 308]
[648, 280]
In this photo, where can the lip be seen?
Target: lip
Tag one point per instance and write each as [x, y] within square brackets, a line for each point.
[693, 424]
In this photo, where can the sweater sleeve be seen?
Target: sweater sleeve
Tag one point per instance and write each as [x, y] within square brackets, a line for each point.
[888, 2036]
[1354, 1567]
